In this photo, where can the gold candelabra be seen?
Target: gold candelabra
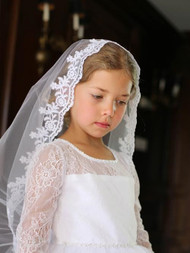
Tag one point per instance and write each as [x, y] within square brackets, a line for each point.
[47, 42]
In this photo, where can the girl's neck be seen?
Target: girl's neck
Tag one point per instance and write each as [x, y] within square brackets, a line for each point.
[77, 137]
[85, 140]
[93, 147]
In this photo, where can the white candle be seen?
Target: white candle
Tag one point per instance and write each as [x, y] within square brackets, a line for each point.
[46, 13]
[75, 21]
[175, 90]
[81, 32]
[162, 84]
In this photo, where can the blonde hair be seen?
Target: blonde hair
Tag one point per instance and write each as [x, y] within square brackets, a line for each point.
[110, 57]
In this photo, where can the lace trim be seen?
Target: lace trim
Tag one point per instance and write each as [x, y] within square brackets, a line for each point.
[64, 92]
[99, 245]
[90, 157]
[127, 143]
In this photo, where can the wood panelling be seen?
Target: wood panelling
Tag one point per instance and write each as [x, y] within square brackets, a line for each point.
[9, 16]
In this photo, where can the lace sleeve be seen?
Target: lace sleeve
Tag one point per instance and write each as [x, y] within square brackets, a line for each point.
[43, 186]
[142, 235]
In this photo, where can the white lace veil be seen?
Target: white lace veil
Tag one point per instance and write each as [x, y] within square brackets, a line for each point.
[40, 119]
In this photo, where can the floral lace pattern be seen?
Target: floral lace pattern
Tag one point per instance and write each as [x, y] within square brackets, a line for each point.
[127, 144]
[44, 183]
[64, 94]
[43, 187]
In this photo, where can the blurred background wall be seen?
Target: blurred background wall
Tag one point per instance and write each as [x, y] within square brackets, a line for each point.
[33, 34]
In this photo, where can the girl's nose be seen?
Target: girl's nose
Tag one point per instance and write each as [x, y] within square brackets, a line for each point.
[109, 109]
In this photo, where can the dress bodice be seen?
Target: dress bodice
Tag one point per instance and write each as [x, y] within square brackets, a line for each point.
[96, 209]
[76, 203]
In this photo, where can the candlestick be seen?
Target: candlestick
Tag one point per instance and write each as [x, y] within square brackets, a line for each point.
[75, 21]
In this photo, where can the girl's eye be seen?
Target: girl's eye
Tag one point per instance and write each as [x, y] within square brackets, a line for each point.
[97, 96]
[120, 102]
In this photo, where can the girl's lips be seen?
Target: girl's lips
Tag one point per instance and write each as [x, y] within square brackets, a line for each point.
[103, 125]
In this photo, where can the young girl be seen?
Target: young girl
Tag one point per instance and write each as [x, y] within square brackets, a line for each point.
[74, 139]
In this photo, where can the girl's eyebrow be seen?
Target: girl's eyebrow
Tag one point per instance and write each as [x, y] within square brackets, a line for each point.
[106, 91]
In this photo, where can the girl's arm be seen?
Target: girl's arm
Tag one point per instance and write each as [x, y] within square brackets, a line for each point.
[43, 187]
[142, 235]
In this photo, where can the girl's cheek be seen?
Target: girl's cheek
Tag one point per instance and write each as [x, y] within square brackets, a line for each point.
[121, 113]
[117, 119]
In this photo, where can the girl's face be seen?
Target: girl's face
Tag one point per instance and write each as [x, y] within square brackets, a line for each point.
[100, 103]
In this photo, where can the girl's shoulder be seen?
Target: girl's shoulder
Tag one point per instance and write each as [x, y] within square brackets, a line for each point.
[127, 161]
[122, 157]
[49, 151]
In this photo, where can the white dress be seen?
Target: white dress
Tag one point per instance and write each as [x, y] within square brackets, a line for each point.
[77, 203]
